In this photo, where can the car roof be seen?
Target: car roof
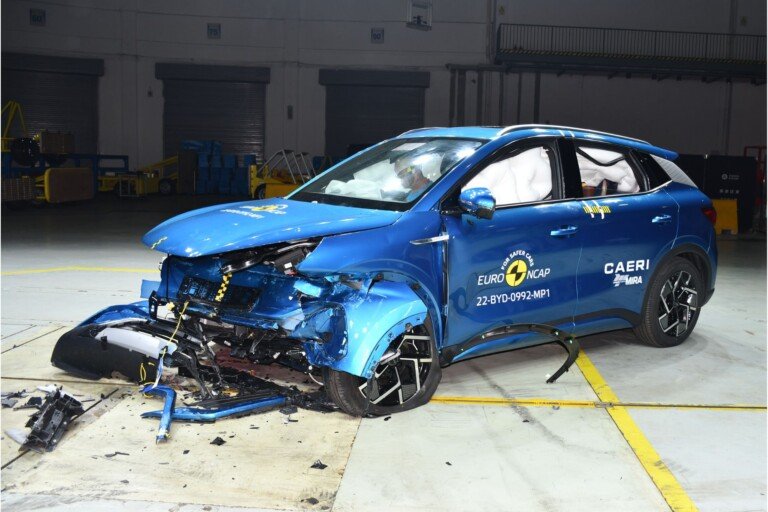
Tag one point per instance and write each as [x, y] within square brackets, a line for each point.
[523, 131]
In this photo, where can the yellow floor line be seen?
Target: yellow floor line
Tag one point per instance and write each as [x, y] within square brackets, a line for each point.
[76, 268]
[665, 481]
[589, 404]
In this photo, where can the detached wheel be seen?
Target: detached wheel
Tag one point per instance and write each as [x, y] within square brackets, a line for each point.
[671, 307]
[406, 377]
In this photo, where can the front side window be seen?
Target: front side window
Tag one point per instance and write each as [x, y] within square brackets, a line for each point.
[605, 172]
[522, 177]
[389, 176]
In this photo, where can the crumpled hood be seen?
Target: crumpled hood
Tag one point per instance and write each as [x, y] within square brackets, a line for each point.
[237, 226]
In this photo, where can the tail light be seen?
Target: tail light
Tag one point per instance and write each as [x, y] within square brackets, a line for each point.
[710, 213]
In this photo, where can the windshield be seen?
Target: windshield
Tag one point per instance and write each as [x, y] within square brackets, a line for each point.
[389, 176]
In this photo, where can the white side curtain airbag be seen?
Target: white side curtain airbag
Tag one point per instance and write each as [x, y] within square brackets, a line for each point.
[523, 178]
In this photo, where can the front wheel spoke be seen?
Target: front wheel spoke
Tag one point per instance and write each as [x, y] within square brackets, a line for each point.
[417, 364]
[664, 303]
[391, 390]
[419, 360]
[402, 376]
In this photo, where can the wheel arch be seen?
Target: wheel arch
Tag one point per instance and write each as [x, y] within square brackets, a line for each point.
[696, 255]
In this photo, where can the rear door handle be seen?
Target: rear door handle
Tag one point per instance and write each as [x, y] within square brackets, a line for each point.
[662, 219]
[564, 231]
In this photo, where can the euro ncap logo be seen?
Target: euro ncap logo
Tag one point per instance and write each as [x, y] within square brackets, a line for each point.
[269, 208]
[516, 272]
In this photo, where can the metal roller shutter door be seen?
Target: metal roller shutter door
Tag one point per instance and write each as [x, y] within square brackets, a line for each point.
[357, 116]
[57, 102]
[231, 112]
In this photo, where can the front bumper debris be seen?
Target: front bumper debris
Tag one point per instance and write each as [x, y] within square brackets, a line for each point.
[51, 421]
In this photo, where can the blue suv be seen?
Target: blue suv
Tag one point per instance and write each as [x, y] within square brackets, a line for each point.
[436, 246]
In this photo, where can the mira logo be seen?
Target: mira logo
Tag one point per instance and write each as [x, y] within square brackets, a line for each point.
[620, 269]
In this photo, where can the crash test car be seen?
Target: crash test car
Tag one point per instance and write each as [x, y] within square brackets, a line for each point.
[436, 246]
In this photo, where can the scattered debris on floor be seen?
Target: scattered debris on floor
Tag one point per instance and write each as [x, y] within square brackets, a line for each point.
[15, 394]
[9, 402]
[16, 434]
[110, 455]
[318, 465]
[166, 414]
[10, 399]
[311, 501]
[34, 402]
[218, 441]
[51, 421]
[228, 392]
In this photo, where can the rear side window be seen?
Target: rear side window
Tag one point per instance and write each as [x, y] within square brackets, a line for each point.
[655, 173]
[673, 172]
[606, 172]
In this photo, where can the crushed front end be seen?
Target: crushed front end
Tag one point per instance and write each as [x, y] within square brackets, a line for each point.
[255, 302]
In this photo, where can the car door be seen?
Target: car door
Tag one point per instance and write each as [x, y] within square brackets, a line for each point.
[519, 266]
[628, 227]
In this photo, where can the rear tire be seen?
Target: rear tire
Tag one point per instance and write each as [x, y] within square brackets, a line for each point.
[399, 384]
[261, 192]
[672, 304]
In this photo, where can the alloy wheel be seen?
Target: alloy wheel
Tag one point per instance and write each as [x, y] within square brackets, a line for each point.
[678, 304]
[402, 371]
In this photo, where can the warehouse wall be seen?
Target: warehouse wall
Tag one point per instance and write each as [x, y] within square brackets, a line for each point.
[297, 38]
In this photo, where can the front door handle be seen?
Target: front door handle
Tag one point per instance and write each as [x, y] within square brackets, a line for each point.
[564, 231]
[662, 219]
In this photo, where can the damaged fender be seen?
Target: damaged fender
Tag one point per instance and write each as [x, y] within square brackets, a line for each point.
[373, 320]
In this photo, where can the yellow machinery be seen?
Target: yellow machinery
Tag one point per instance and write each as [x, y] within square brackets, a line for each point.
[157, 178]
[12, 109]
[65, 184]
[727, 216]
[281, 174]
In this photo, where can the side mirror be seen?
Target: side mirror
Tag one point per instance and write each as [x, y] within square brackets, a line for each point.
[478, 202]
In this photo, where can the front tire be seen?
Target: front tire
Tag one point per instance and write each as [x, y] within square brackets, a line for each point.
[672, 304]
[406, 378]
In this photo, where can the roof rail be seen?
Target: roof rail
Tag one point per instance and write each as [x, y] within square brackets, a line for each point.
[516, 127]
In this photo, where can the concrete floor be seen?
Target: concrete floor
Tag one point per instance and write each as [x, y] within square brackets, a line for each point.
[486, 443]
